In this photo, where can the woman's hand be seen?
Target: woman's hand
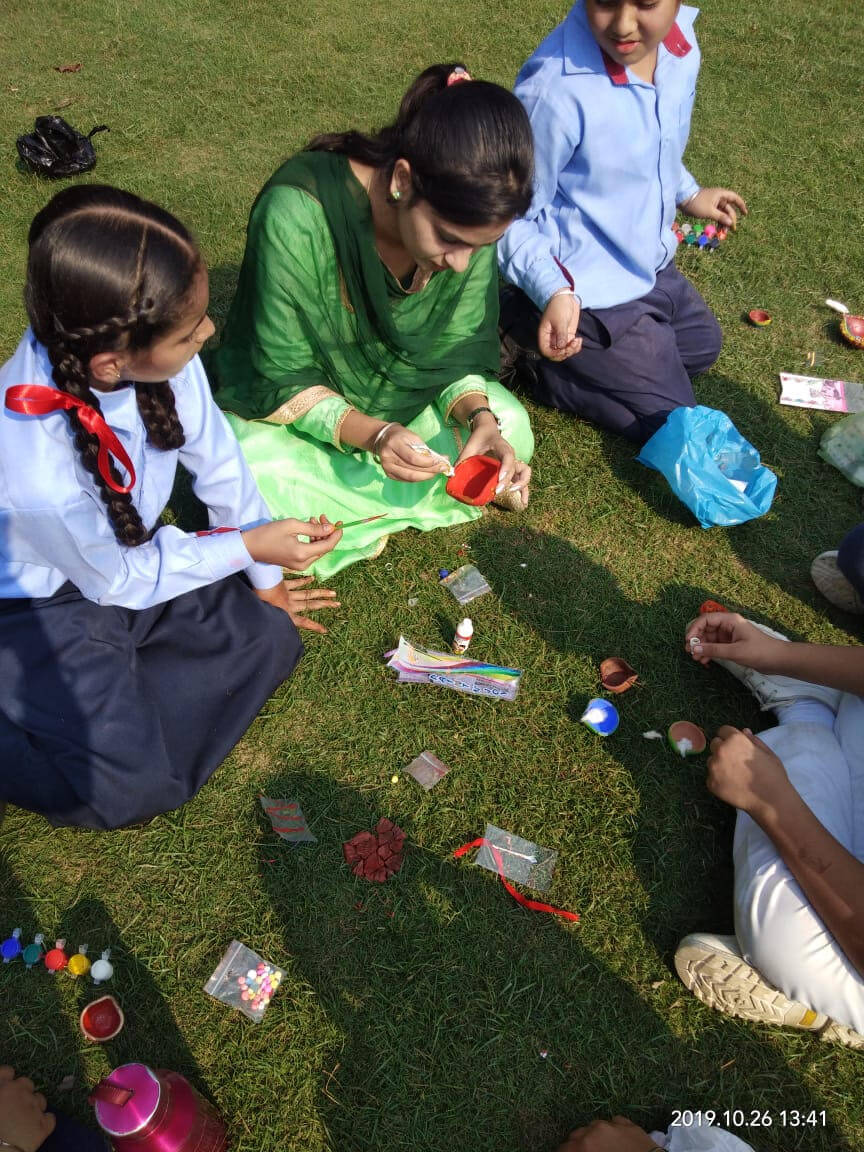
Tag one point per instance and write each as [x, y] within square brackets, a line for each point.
[728, 636]
[744, 772]
[556, 335]
[279, 542]
[296, 598]
[715, 204]
[486, 440]
[24, 1123]
[404, 456]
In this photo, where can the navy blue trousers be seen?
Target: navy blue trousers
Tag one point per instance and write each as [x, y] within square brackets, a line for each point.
[109, 716]
[850, 558]
[70, 1136]
[637, 359]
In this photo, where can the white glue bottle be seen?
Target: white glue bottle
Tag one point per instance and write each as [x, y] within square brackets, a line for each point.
[462, 639]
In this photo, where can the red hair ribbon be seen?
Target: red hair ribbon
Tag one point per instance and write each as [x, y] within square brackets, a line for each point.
[39, 400]
[458, 76]
[534, 905]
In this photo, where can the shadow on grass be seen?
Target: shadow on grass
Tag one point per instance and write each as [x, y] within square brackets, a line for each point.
[447, 995]
[35, 1013]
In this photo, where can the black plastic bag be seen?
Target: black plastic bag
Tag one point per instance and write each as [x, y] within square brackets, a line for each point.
[54, 148]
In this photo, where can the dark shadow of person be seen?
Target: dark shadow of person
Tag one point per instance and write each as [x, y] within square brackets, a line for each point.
[459, 1019]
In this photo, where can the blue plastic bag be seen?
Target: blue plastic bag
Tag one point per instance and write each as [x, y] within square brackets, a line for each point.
[710, 467]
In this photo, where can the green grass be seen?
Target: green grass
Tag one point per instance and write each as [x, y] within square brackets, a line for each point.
[413, 1016]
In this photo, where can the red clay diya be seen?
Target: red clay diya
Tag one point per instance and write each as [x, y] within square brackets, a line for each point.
[851, 327]
[686, 739]
[377, 855]
[759, 317]
[711, 606]
[102, 1019]
[474, 480]
[616, 675]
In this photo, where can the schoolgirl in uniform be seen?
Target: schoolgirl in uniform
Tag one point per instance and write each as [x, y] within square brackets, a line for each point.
[133, 656]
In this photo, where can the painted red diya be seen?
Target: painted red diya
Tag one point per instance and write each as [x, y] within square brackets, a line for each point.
[102, 1019]
[711, 606]
[759, 318]
[851, 327]
[474, 480]
[686, 739]
[616, 675]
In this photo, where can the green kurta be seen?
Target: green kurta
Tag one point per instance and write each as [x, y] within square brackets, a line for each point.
[318, 325]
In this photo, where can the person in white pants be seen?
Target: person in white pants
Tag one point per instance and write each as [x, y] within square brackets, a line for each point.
[797, 957]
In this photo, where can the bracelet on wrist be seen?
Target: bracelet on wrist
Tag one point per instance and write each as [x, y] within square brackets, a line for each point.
[471, 417]
[380, 436]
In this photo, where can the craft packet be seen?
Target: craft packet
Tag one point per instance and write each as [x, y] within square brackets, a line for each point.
[288, 820]
[466, 583]
[243, 980]
[521, 860]
[427, 770]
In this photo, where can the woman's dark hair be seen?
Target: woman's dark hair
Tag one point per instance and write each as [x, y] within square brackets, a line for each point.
[109, 271]
[468, 142]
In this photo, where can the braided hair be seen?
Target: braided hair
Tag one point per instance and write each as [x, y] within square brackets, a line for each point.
[108, 271]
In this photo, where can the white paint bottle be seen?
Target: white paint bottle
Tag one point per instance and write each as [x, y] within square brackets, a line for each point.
[462, 639]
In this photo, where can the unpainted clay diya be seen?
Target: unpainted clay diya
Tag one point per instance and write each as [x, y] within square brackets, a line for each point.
[616, 675]
[851, 327]
[686, 739]
[474, 480]
[102, 1019]
[759, 318]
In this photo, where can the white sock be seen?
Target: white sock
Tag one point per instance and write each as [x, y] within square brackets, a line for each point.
[805, 710]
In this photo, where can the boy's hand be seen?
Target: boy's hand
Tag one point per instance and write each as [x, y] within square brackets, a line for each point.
[24, 1123]
[715, 204]
[616, 1135]
[728, 636]
[556, 335]
[744, 772]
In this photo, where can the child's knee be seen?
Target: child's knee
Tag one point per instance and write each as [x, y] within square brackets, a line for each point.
[706, 350]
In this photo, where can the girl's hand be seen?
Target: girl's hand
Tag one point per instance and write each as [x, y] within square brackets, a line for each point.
[728, 636]
[715, 204]
[556, 335]
[397, 450]
[616, 1135]
[744, 772]
[24, 1122]
[289, 595]
[486, 440]
[278, 542]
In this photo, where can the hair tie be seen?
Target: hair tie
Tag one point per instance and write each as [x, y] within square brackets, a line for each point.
[39, 400]
[459, 75]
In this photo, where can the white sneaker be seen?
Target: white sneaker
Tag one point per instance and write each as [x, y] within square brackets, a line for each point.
[714, 970]
[776, 691]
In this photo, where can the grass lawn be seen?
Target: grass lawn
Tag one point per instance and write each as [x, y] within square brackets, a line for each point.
[413, 1016]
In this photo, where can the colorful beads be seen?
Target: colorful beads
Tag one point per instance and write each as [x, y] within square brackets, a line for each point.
[258, 986]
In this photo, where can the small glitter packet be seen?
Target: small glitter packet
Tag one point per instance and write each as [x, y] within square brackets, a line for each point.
[521, 860]
[466, 583]
[244, 980]
[427, 770]
[288, 820]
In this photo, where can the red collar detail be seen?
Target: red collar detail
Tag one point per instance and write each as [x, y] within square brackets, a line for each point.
[675, 43]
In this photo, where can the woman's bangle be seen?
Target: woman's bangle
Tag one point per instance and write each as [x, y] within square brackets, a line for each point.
[380, 436]
[476, 412]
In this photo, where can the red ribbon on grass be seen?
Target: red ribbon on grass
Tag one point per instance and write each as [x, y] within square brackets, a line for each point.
[39, 400]
[534, 905]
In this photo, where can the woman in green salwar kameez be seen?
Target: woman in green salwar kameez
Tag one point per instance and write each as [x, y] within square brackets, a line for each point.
[365, 322]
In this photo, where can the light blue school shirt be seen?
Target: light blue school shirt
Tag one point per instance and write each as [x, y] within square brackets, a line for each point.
[608, 165]
[54, 525]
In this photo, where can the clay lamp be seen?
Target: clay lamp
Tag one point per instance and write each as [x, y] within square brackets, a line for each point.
[851, 327]
[474, 480]
[102, 1019]
[711, 606]
[616, 675]
[686, 739]
[759, 318]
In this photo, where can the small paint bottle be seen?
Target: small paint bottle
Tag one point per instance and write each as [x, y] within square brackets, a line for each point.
[462, 639]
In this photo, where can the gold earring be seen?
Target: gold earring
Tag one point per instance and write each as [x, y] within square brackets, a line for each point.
[395, 195]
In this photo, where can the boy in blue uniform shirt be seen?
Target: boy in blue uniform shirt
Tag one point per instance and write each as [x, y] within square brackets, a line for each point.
[610, 93]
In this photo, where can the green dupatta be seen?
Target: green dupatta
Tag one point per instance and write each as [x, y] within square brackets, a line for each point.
[316, 308]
